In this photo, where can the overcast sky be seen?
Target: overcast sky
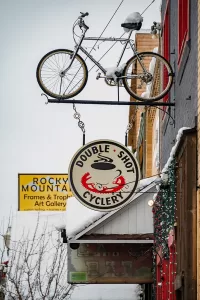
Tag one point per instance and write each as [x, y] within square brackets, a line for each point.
[39, 138]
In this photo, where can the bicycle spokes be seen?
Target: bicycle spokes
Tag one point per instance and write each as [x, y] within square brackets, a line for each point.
[55, 80]
[142, 76]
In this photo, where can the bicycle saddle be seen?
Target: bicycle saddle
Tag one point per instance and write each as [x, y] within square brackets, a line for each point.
[132, 26]
[133, 22]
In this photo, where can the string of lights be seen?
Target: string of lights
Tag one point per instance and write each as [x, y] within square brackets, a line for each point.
[164, 216]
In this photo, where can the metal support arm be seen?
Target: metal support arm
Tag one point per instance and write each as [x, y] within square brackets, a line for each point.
[102, 102]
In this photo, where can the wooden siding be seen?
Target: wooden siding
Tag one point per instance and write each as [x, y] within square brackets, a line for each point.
[137, 219]
[143, 42]
[186, 218]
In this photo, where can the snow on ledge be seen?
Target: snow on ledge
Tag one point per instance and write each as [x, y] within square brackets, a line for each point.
[79, 217]
[164, 172]
[174, 148]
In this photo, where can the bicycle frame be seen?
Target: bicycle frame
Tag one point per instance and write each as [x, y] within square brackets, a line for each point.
[55, 80]
[111, 39]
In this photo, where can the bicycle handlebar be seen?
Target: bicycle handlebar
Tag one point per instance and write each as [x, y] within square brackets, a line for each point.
[83, 15]
[81, 22]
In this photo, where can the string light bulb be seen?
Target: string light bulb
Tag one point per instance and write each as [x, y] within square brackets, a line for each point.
[151, 202]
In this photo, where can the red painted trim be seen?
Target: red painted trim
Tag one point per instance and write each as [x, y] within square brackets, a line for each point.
[158, 286]
[166, 43]
[167, 4]
[186, 33]
[165, 277]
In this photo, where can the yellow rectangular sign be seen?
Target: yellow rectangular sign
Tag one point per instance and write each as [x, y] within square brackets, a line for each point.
[42, 192]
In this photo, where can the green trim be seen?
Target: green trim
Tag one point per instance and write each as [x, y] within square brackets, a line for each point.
[78, 276]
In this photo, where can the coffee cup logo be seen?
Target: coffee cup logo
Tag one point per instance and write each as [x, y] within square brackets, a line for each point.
[103, 175]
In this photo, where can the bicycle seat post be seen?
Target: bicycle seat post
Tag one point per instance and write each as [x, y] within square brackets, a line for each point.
[118, 89]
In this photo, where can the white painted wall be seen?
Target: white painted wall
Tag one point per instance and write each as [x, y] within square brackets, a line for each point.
[137, 219]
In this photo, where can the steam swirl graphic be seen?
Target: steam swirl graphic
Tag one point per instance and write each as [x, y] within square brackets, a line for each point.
[103, 163]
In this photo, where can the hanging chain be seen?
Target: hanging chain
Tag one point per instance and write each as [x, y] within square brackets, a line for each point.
[77, 116]
[81, 124]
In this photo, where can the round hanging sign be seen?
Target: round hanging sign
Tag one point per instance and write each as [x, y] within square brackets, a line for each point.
[103, 175]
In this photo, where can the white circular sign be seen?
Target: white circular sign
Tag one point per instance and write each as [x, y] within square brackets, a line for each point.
[103, 175]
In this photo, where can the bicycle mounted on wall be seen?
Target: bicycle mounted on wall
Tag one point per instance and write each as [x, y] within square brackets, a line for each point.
[62, 74]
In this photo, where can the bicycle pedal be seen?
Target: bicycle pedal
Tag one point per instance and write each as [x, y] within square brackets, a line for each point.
[118, 74]
[98, 76]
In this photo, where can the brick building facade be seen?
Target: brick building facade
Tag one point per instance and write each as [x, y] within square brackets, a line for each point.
[140, 135]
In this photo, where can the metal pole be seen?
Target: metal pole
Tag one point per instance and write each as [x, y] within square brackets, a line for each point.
[83, 138]
[118, 90]
[126, 139]
[139, 103]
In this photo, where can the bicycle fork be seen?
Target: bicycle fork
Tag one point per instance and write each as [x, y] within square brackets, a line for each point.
[62, 74]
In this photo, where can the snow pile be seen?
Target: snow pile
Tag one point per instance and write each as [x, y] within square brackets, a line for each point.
[153, 61]
[143, 183]
[145, 95]
[139, 292]
[111, 72]
[164, 173]
[134, 17]
[141, 114]
[60, 227]
[79, 217]
[173, 150]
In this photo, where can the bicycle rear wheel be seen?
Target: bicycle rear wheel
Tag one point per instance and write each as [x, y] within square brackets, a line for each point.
[142, 76]
[50, 77]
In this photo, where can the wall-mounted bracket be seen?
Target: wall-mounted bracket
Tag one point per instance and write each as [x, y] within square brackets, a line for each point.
[104, 102]
[130, 103]
[171, 120]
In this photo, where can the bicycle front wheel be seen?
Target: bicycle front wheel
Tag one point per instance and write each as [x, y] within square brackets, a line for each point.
[142, 76]
[56, 83]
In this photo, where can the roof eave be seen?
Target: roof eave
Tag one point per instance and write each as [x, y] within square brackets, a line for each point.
[108, 217]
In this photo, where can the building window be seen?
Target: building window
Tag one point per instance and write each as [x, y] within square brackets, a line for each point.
[183, 25]
[166, 47]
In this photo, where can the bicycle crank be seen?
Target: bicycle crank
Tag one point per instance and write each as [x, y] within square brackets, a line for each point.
[111, 82]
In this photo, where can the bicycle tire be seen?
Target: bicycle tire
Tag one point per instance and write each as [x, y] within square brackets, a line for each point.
[132, 90]
[53, 60]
